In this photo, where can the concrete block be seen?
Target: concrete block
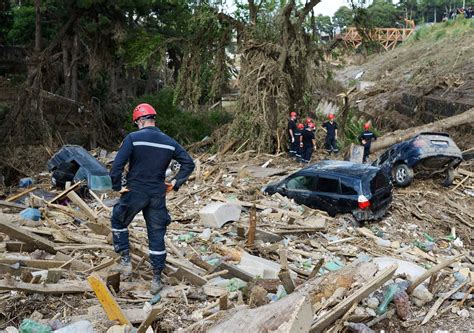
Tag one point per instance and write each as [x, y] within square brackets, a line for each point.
[216, 214]
[365, 85]
[258, 266]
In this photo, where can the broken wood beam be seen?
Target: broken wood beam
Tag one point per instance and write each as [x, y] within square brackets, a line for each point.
[432, 271]
[69, 287]
[155, 311]
[82, 205]
[183, 273]
[108, 302]
[21, 194]
[65, 192]
[330, 317]
[34, 263]
[252, 227]
[12, 205]
[21, 234]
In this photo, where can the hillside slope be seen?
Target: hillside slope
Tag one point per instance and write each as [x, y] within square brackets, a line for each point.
[430, 76]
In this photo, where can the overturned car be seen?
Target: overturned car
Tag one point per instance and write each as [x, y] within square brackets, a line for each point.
[338, 187]
[425, 155]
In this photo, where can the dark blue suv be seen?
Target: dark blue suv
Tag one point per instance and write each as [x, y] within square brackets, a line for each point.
[425, 155]
[338, 187]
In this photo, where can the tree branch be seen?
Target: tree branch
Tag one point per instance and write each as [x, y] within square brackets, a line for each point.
[305, 11]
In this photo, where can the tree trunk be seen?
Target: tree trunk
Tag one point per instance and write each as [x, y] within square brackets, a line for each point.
[66, 68]
[401, 135]
[75, 59]
[37, 25]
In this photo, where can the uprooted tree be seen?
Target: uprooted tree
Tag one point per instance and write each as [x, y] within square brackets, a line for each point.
[280, 71]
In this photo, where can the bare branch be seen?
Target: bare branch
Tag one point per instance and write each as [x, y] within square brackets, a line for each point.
[305, 11]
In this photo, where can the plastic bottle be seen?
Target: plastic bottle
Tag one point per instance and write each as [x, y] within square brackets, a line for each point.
[387, 298]
[31, 326]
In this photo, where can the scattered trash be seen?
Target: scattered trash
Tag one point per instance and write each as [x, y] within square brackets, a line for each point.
[26, 182]
[31, 326]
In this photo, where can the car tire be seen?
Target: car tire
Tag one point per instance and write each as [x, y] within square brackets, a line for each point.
[448, 177]
[402, 175]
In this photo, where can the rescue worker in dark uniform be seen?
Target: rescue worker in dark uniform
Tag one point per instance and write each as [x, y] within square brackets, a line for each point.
[330, 127]
[307, 121]
[365, 138]
[298, 132]
[307, 143]
[291, 132]
[148, 152]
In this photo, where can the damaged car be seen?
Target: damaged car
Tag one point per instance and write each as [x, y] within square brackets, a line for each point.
[424, 156]
[338, 187]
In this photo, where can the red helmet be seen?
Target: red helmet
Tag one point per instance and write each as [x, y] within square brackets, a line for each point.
[308, 120]
[311, 125]
[331, 116]
[300, 126]
[292, 114]
[367, 125]
[142, 110]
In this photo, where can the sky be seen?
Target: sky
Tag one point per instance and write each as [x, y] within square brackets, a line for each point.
[329, 7]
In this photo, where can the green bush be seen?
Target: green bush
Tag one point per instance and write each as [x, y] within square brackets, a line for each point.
[184, 126]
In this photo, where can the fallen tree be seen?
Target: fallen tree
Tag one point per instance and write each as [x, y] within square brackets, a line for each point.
[401, 135]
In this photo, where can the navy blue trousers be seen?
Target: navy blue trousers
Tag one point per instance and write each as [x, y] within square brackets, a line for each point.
[307, 152]
[331, 145]
[156, 217]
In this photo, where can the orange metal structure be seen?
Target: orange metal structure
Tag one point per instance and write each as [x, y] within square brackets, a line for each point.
[387, 37]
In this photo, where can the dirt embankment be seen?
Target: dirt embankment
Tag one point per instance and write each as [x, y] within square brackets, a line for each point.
[429, 77]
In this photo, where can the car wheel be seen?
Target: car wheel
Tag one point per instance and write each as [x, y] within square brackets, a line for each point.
[402, 175]
[448, 177]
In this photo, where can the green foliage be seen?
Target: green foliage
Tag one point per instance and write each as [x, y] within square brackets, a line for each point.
[343, 17]
[184, 126]
[23, 27]
[383, 13]
[324, 24]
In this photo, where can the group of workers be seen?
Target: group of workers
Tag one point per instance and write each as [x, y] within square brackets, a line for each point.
[303, 142]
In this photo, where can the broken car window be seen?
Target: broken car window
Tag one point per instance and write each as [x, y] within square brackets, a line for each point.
[347, 189]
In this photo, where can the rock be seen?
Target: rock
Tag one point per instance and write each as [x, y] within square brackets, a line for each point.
[422, 295]
[359, 311]
[404, 267]
[365, 85]
[371, 312]
[402, 304]
[359, 327]
[83, 326]
[11, 329]
[258, 297]
[463, 313]
[119, 329]
[373, 303]
[216, 214]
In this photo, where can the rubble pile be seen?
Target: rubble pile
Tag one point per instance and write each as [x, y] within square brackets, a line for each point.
[238, 261]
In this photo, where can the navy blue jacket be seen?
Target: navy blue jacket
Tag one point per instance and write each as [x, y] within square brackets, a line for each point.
[149, 152]
[368, 136]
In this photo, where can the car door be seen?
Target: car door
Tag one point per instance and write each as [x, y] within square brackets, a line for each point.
[349, 194]
[299, 187]
[325, 194]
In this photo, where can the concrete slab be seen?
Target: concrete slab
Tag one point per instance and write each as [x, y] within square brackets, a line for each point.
[216, 214]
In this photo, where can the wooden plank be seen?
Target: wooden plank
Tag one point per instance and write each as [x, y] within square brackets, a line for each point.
[13, 246]
[26, 236]
[12, 205]
[70, 287]
[103, 265]
[233, 272]
[110, 305]
[432, 271]
[19, 195]
[65, 192]
[155, 311]
[35, 263]
[54, 275]
[5, 268]
[76, 264]
[183, 273]
[339, 310]
[82, 205]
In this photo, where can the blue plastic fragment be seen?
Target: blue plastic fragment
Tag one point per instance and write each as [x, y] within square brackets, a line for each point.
[25, 182]
[155, 299]
[31, 214]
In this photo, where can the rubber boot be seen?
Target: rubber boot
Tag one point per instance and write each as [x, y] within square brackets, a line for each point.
[156, 283]
[125, 265]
